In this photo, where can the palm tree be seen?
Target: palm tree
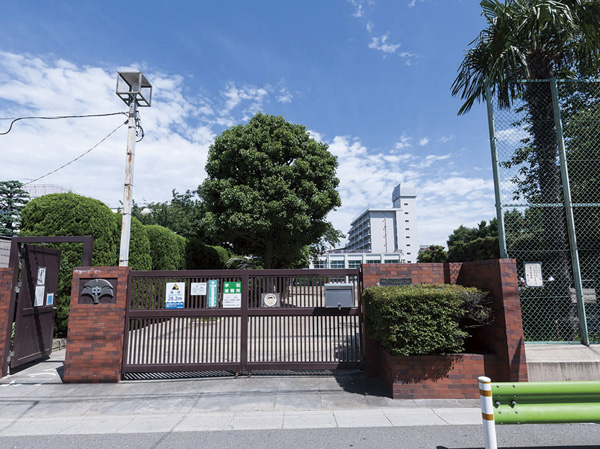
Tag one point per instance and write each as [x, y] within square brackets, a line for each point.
[534, 40]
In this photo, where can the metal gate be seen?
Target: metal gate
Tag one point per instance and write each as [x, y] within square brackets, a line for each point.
[35, 307]
[240, 320]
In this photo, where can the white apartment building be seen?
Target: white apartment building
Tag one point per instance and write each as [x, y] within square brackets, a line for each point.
[388, 230]
[380, 235]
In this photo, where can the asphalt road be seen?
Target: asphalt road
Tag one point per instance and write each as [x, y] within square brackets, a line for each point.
[573, 436]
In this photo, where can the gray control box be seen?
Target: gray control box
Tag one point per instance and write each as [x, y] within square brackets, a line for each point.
[339, 295]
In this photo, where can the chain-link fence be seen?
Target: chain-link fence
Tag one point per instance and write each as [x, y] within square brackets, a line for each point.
[547, 147]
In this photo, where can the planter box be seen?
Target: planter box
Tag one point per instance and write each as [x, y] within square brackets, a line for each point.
[439, 376]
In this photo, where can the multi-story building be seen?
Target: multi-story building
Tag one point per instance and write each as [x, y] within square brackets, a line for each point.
[388, 230]
[380, 235]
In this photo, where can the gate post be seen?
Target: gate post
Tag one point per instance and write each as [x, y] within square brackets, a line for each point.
[6, 277]
[96, 327]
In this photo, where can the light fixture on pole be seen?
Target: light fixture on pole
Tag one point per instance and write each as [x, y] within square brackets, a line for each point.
[135, 90]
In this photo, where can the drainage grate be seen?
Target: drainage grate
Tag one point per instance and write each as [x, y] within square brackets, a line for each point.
[178, 375]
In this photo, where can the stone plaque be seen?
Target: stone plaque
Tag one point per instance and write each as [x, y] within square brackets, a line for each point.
[386, 282]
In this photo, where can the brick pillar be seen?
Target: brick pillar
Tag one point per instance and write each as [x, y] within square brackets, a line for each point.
[6, 321]
[505, 334]
[95, 337]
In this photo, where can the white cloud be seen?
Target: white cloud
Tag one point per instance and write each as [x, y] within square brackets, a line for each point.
[445, 199]
[179, 130]
[382, 44]
[370, 26]
[359, 6]
[424, 141]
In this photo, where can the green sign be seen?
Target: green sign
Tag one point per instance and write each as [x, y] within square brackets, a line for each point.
[232, 295]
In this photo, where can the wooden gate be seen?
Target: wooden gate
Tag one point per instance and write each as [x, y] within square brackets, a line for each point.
[35, 305]
[240, 320]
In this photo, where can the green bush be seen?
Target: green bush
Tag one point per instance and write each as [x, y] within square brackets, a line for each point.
[139, 245]
[199, 256]
[422, 319]
[164, 248]
[68, 214]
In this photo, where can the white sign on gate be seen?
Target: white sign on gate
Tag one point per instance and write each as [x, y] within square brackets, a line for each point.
[198, 289]
[175, 298]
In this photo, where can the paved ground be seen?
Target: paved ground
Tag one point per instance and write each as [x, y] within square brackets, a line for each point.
[34, 401]
[339, 410]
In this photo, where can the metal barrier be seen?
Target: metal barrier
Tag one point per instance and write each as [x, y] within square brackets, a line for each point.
[536, 403]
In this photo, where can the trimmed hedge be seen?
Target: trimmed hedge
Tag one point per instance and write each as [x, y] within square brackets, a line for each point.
[164, 248]
[68, 214]
[199, 256]
[423, 319]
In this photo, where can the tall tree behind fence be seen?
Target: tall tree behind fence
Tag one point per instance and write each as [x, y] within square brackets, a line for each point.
[546, 156]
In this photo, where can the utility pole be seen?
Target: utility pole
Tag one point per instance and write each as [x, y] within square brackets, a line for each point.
[135, 90]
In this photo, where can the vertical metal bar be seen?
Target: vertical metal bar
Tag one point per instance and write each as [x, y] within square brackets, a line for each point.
[564, 174]
[496, 173]
[244, 318]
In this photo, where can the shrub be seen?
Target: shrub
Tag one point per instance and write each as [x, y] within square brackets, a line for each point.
[164, 248]
[422, 319]
[68, 214]
[199, 256]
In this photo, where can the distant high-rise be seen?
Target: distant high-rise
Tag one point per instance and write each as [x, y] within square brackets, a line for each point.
[388, 230]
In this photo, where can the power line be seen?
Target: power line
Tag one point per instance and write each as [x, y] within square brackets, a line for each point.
[58, 117]
[80, 156]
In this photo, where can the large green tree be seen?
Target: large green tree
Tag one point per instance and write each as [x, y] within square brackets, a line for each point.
[12, 199]
[269, 189]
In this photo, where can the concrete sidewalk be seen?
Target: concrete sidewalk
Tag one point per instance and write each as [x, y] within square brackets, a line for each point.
[34, 401]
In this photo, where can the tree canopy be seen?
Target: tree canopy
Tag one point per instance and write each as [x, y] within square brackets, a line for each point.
[529, 39]
[435, 253]
[269, 189]
[12, 200]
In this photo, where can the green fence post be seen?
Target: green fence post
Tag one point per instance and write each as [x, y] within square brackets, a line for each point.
[564, 173]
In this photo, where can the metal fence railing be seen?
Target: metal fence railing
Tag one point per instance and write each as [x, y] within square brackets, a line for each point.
[546, 155]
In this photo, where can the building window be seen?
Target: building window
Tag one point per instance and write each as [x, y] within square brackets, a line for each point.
[406, 204]
[408, 244]
[354, 263]
[321, 264]
[406, 221]
[372, 261]
[391, 261]
[337, 264]
[408, 236]
[408, 229]
[408, 254]
[405, 213]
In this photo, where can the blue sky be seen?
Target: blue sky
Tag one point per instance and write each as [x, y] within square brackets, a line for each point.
[369, 77]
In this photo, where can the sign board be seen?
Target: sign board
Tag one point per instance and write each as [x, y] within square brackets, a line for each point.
[386, 282]
[50, 299]
[198, 289]
[39, 296]
[212, 293]
[232, 295]
[533, 274]
[175, 295]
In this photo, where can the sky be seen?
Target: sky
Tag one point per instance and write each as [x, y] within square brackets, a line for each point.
[371, 78]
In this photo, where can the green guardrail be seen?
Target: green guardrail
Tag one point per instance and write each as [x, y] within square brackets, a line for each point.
[546, 402]
[536, 403]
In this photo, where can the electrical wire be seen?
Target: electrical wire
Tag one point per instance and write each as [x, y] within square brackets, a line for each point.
[80, 156]
[58, 117]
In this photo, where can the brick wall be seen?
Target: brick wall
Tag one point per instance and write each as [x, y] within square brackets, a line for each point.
[503, 338]
[5, 318]
[95, 338]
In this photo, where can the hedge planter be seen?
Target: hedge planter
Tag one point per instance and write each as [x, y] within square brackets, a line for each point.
[436, 376]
